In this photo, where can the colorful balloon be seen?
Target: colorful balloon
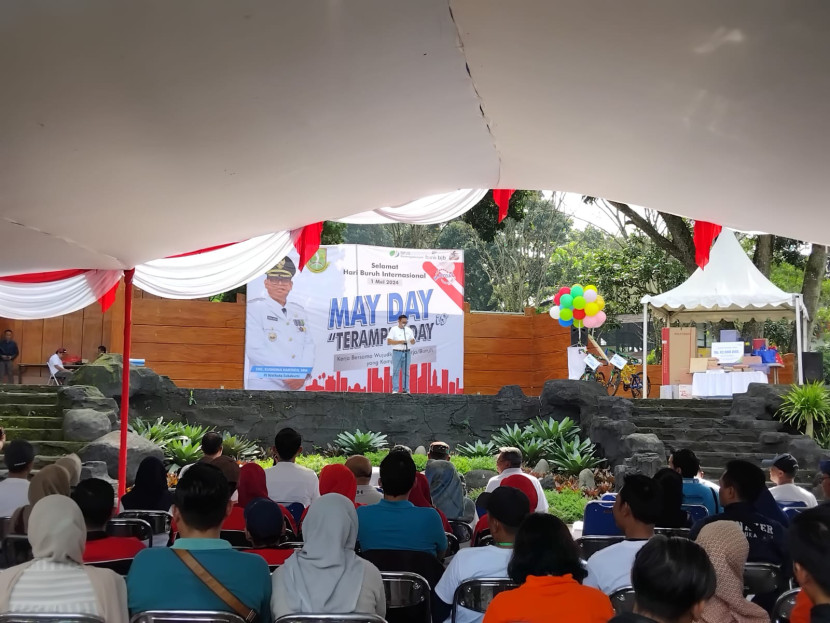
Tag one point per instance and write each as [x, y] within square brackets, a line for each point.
[577, 290]
[590, 288]
[564, 290]
[556, 299]
[601, 302]
[579, 302]
[590, 322]
[554, 312]
[591, 309]
[601, 318]
[566, 302]
[579, 314]
[590, 296]
[579, 324]
[565, 323]
[565, 313]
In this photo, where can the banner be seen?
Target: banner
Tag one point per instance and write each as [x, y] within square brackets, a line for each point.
[326, 328]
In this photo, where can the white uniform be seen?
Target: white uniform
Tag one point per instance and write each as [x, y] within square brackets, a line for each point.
[278, 337]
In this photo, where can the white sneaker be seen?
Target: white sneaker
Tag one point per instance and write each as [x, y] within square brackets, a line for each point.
[394, 391]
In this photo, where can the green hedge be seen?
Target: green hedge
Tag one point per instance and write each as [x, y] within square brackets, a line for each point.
[463, 464]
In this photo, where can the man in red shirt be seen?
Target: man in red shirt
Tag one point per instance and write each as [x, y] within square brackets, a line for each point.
[264, 525]
[96, 499]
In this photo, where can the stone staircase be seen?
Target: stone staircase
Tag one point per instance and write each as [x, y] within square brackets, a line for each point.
[32, 412]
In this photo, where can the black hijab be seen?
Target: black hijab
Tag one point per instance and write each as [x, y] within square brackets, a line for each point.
[150, 492]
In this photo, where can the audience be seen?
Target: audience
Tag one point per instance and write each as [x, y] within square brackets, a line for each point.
[686, 463]
[809, 545]
[51, 480]
[672, 514]
[326, 576]
[516, 481]
[96, 499]
[740, 486]
[547, 567]
[636, 509]
[252, 486]
[507, 508]
[289, 483]
[150, 492]
[445, 488]
[264, 527]
[438, 451]
[162, 579]
[336, 478]
[509, 463]
[395, 522]
[672, 580]
[782, 470]
[420, 495]
[72, 464]
[56, 581]
[361, 467]
[727, 547]
[19, 457]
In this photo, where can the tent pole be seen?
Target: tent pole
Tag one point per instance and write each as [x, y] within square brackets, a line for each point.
[798, 338]
[645, 350]
[125, 382]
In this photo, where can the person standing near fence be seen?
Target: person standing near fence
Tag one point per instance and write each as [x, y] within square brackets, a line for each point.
[400, 338]
[8, 353]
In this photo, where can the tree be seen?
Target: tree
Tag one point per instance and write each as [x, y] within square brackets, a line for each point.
[484, 216]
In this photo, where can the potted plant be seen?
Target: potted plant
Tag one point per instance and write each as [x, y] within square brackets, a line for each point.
[804, 406]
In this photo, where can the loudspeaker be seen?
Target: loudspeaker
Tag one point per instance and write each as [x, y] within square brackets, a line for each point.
[812, 367]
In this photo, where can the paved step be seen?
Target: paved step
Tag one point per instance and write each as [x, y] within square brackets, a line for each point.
[726, 448]
[49, 410]
[681, 423]
[705, 435]
[28, 389]
[719, 459]
[37, 435]
[28, 398]
[702, 411]
[57, 447]
[25, 421]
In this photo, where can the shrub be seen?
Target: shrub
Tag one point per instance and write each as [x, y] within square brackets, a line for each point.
[552, 430]
[567, 504]
[466, 464]
[240, 448]
[806, 406]
[510, 436]
[159, 432]
[571, 457]
[479, 448]
[360, 443]
[181, 452]
[316, 462]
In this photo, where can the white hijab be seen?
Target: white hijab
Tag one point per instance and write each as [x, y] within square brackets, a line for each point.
[325, 576]
[56, 530]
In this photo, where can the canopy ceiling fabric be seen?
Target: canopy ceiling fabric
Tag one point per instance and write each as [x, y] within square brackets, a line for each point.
[137, 131]
[729, 288]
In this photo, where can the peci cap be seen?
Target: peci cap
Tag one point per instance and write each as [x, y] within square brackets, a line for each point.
[439, 448]
[61, 350]
[18, 454]
[510, 506]
[264, 520]
[284, 269]
[824, 466]
[785, 462]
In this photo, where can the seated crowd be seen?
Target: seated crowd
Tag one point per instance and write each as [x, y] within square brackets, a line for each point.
[350, 531]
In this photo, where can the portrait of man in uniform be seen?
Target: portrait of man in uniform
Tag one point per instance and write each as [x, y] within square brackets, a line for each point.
[280, 349]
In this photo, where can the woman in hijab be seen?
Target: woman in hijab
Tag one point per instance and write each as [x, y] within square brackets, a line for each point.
[51, 480]
[672, 515]
[251, 486]
[727, 547]
[335, 478]
[446, 488]
[56, 581]
[72, 464]
[150, 492]
[326, 576]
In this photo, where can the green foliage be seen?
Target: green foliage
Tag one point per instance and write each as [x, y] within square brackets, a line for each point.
[193, 432]
[181, 452]
[159, 432]
[557, 442]
[316, 462]
[567, 504]
[479, 448]
[552, 430]
[535, 449]
[806, 406]
[240, 448]
[571, 457]
[360, 443]
[467, 464]
[510, 436]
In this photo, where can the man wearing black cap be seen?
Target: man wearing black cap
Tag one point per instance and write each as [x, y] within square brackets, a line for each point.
[782, 471]
[279, 347]
[14, 490]
[506, 509]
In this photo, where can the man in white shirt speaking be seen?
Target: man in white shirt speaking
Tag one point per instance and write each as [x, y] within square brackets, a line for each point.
[782, 471]
[400, 338]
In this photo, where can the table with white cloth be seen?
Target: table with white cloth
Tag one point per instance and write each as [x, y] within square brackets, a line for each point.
[724, 383]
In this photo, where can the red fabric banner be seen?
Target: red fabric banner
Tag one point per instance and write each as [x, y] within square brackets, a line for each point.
[53, 275]
[205, 250]
[308, 242]
[502, 198]
[704, 236]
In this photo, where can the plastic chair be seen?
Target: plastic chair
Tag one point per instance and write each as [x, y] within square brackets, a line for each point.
[608, 497]
[591, 544]
[696, 511]
[160, 521]
[296, 509]
[407, 596]
[681, 532]
[53, 380]
[462, 530]
[483, 538]
[120, 565]
[236, 538]
[761, 578]
[783, 505]
[452, 544]
[623, 600]
[599, 520]
[186, 616]
[793, 511]
[32, 617]
[16, 550]
[129, 526]
[331, 618]
[477, 594]
[784, 606]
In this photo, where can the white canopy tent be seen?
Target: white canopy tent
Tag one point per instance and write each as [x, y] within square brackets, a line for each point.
[730, 287]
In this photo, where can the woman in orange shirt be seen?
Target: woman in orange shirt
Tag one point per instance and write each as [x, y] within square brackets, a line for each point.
[547, 567]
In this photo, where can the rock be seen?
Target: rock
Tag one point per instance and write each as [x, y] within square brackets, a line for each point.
[542, 467]
[547, 482]
[807, 452]
[94, 469]
[587, 480]
[754, 407]
[578, 400]
[85, 425]
[608, 435]
[647, 463]
[88, 397]
[773, 438]
[106, 449]
[420, 450]
[770, 395]
[615, 407]
[511, 391]
[619, 476]
[477, 478]
[643, 443]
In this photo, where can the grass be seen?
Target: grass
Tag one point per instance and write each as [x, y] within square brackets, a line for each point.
[568, 505]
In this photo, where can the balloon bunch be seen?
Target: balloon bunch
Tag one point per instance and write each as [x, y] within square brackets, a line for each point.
[578, 306]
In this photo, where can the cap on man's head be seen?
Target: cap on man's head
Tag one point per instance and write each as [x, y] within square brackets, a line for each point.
[18, 454]
[439, 448]
[284, 269]
[510, 506]
[785, 462]
[228, 466]
[824, 466]
[263, 519]
[61, 350]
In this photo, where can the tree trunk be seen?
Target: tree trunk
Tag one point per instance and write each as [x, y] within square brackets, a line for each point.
[762, 258]
[814, 272]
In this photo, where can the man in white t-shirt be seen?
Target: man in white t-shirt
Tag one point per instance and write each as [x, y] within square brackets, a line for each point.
[636, 510]
[509, 462]
[14, 490]
[56, 368]
[506, 508]
[782, 471]
[401, 338]
[288, 482]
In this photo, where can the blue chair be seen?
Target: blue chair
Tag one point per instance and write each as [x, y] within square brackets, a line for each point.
[296, 509]
[783, 505]
[792, 511]
[608, 497]
[696, 511]
[599, 519]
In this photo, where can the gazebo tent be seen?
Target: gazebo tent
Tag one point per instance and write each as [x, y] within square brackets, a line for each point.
[730, 287]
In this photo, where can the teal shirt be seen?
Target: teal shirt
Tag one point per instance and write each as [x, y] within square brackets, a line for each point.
[400, 525]
[158, 580]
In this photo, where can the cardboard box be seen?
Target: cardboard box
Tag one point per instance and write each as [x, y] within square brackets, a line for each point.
[679, 347]
[698, 364]
[752, 360]
[666, 392]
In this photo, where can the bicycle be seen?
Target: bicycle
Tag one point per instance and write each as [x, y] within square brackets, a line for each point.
[593, 375]
[628, 377]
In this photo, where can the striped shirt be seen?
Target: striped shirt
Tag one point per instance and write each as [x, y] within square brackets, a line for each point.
[48, 586]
